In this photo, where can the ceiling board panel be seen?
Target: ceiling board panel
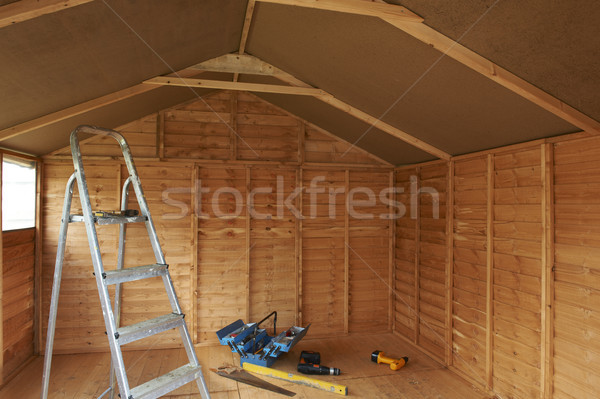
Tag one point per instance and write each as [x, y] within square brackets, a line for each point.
[343, 125]
[385, 72]
[57, 60]
[551, 44]
[55, 136]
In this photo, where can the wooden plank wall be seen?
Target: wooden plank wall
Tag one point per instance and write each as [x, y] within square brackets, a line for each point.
[469, 267]
[223, 256]
[432, 183]
[577, 289]
[522, 307]
[18, 299]
[324, 253]
[230, 262]
[405, 283]
[420, 311]
[79, 328]
[368, 253]
[516, 276]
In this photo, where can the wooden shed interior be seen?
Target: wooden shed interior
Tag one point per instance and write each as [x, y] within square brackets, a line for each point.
[419, 177]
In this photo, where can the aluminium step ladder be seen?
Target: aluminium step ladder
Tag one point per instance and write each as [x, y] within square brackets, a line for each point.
[118, 335]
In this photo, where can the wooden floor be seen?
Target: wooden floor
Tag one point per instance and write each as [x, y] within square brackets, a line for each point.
[86, 375]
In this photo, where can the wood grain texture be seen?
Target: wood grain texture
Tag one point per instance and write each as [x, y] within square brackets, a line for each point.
[518, 230]
[18, 298]
[575, 282]
[470, 260]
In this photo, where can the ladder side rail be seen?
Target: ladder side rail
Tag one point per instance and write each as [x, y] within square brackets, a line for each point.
[94, 245]
[139, 192]
[141, 198]
[120, 263]
[60, 255]
[145, 211]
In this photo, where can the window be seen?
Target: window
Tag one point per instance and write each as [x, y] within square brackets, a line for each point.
[18, 193]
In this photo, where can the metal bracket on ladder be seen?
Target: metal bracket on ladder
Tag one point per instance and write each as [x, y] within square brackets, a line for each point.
[118, 335]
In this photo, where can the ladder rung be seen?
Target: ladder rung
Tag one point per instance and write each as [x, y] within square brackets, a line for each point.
[167, 382]
[150, 327]
[103, 220]
[134, 273]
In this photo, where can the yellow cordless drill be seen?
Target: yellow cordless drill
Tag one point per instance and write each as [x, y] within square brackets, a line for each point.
[395, 364]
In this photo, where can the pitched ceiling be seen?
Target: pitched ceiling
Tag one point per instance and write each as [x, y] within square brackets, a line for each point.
[65, 58]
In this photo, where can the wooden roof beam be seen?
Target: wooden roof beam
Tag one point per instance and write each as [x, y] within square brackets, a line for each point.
[409, 22]
[245, 31]
[233, 63]
[241, 86]
[82, 108]
[246, 64]
[381, 125]
[28, 9]
[503, 77]
[359, 7]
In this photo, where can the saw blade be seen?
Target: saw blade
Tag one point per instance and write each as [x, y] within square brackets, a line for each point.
[239, 375]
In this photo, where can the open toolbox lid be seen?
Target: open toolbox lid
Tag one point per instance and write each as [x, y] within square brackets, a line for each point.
[254, 345]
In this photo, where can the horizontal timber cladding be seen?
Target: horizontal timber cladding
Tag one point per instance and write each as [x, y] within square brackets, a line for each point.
[405, 257]
[524, 257]
[80, 326]
[272, 246]
[469, 268]
[577, 265]
[421, 256]
[368, 252]
[517, 273]
[223, 255]
[18, 248]
[324, 251]
[228, 260]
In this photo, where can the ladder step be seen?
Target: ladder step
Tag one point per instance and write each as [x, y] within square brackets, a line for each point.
[104, 220]
[134, 273]
[150, 327]
[167, 382]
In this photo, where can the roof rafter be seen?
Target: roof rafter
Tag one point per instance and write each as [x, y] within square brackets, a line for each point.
[360, 7]
[245, 32]
[457, 51]
[82, 108]
[226, 85]
[28, 9]
[244, 63]
[503, 77]
[248, 64]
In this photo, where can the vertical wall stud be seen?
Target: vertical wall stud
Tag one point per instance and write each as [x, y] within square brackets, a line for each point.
[298, 254]
[346, 256]
[391, 247]
[547, 295]
[160, 130]
[1, 284]
[417, 214]
[194, 271]
[301, 139]
[449, 260]
[248, 188]
[233, 134]
[489, 273]
[37, 278]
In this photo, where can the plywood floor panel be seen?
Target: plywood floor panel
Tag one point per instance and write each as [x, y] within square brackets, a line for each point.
[86, 375]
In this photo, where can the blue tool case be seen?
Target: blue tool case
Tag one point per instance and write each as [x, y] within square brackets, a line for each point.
[254, 345]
